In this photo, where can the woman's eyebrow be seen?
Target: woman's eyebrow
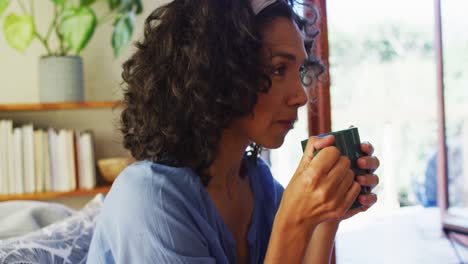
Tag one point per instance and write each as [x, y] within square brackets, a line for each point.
[285, 55]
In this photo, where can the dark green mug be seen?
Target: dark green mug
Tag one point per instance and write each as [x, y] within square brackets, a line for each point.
[349, 144]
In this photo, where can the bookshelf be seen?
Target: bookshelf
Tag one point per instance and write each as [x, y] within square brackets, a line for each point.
[60, 106]
[54, 195]
[73, 115]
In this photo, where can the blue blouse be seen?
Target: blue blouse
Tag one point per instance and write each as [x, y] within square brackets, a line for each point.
[160, 214]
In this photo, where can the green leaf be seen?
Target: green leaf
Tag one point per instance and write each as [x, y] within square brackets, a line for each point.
[59, 2]
[86, 2]
[113, 4]
[19, 31]
[139, 7]
[122, 33]
[3, 6]
[77, 25]
[126, 5]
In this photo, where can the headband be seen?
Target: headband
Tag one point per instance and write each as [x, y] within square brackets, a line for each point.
[259, 5]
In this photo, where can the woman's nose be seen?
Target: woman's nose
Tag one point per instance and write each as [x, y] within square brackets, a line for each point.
[298, 96]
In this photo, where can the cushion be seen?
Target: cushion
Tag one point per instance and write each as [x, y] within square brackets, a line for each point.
[66, 241]
[18, 218]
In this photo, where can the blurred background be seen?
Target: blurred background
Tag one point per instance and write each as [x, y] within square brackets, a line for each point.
[383, 81]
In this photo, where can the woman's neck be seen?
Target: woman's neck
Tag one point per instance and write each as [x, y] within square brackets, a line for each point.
[225, 168]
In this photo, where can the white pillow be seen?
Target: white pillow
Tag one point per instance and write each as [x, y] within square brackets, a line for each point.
[19, 218]
[66, 241]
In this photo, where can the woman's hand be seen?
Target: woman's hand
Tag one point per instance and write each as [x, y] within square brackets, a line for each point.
[369, 163]
[322, 187]
[319, 194]
[324, 233]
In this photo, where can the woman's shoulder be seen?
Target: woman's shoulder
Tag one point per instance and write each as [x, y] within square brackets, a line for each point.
[142, 173]
[145, 186]
[150, 209]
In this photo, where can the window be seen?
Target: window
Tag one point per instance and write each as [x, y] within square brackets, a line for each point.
[382, 75]
[455, 55]
[383, 81]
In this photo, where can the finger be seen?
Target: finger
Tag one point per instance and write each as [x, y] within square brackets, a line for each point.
[346, 182]
[368, 163]
[367, 148]
[352, 212]
[313, 143]
[365, 207]
[325, 160]
[355, 211]
[368, 180]
[367, 199]
[351, 195]
[339, 172]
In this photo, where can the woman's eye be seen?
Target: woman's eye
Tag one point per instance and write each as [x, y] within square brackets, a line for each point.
[279, 70]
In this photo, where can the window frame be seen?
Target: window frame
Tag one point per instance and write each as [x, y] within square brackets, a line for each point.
[319, 113]
[451, 224]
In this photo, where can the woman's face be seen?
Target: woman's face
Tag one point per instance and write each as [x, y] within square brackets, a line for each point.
[276, 111]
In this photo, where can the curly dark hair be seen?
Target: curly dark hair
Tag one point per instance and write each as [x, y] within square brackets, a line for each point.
[197, 69]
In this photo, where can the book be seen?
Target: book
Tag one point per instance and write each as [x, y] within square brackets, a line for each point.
[76, 138]
[27, 133]
[61, 178]
[47, 163]
[3, 159]
[39, 162]
[53, 159]
[10, 157]
[65, 161]
[7, 183]
[71, 167]
[18, 161]
[86, 161]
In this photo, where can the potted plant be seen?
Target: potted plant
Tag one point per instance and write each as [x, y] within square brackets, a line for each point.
[73, 24]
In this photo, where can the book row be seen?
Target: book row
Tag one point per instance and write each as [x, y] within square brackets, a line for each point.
[45, 160]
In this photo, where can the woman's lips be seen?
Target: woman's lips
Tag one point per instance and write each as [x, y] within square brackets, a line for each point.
[287, 124]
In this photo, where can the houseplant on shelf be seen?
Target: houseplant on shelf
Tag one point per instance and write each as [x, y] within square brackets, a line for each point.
[70, 29]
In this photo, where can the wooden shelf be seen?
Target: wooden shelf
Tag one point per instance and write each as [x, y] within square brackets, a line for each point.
[60, 106]
[52, 195]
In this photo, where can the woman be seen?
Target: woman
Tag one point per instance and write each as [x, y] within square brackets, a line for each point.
[210, 78]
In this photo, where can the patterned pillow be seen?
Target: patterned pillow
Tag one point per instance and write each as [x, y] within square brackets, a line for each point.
[18, 218]
[66, 241]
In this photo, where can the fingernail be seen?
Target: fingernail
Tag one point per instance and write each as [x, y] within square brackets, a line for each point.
[361, 179]
[362, 199]
[363, 162]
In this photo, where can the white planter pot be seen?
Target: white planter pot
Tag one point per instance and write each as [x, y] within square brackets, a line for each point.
[61, 79]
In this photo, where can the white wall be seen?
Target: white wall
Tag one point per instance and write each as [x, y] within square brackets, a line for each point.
[18, 72]
[19, 83]
[19, 80]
